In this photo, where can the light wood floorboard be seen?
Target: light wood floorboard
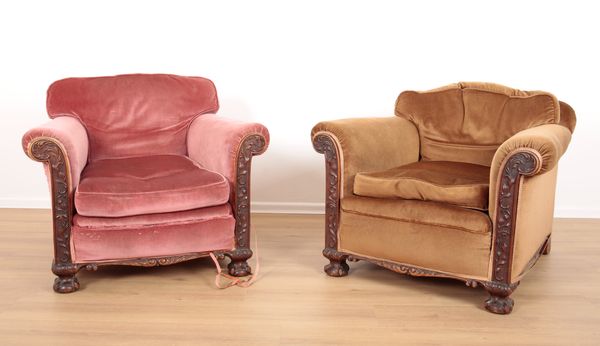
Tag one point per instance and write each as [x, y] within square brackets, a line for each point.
[293, 302]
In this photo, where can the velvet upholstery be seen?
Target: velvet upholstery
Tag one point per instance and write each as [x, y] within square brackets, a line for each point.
[71, 136]
[147, 185]
[433, 214]
[106, 239]
[467, 122]
[134, 190]
[456, 183]
[535, 215]
[215, 142]
[133, 115]
[548, 142]
[430, 235]
[359, 145]
[567, 116]
[415, 192]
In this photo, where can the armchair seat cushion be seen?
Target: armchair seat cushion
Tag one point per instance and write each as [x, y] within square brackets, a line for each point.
[147, 185]
[98, 239]
[456, 183]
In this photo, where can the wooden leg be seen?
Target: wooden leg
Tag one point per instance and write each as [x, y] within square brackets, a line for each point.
[66, 281]
[337, 263]
[499, 301]
[239, 262]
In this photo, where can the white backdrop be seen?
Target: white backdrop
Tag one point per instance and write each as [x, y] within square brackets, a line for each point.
[291, 64]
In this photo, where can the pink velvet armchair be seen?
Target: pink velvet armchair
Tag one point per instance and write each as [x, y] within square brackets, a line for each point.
[141, 174]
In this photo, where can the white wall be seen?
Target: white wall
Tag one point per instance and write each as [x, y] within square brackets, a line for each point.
[292, 64]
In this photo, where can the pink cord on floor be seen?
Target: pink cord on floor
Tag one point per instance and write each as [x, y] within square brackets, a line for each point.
[235, 281]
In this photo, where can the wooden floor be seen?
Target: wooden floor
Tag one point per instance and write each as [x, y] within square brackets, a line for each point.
[293, 301]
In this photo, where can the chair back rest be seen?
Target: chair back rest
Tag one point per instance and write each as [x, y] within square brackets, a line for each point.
[468, 121]
[133, 115]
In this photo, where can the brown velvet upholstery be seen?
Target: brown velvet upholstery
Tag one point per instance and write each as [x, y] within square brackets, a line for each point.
[467, 122]
[535, 213]
[422, 233]
[414, 194]
[549, 142]
[359, 144]
[457, 183]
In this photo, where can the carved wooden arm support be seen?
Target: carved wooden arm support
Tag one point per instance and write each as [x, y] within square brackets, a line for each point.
[356, 145]
[227, 146]
[528, 153]
[70, 137]
[369, 144]
[62, 145]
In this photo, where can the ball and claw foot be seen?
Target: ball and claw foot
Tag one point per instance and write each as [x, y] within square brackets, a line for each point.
[499, 301]
[337, 268]
[499, 305]
[239, 268]
[66, 284]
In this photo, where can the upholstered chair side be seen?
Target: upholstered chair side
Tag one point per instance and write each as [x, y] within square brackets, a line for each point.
[226, 146]
[351, 146]
[62, 145]
[522, 185]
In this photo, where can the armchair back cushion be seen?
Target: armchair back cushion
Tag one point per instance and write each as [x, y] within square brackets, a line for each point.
[133, 115]
[467, 122]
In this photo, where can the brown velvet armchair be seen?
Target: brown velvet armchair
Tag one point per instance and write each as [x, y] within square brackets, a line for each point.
[140, 175]
[459, 184]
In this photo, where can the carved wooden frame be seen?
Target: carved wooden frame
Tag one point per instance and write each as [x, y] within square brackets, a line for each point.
[524, 162]
[251, 145]
[51, 152]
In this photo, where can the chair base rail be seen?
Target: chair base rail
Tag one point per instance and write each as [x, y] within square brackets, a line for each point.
[499, 301]
[67, 282]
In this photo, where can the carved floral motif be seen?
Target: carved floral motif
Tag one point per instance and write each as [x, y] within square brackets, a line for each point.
[520, 163]
[325, 145]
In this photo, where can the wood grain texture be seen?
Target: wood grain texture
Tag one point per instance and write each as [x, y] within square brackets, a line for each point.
[293, 302]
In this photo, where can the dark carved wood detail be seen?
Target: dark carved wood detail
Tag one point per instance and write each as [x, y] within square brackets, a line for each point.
[414, 270]
[410, 270]
[324, 144]
[337, 262]
[239, 265]
[51, 153]
[66, 281]
[522, 163]
[499, 301]
[251, 145]
[149, 261]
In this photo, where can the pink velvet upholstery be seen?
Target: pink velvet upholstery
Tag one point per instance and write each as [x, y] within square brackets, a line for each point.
[71, 135]
[214, 142]
[103, 239]
[133, 115]
[147, 185]
[135, 190]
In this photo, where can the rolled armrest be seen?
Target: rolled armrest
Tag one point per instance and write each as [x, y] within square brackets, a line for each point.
[216, 143]
[69, 135]
[547, 143]
[370, 144]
